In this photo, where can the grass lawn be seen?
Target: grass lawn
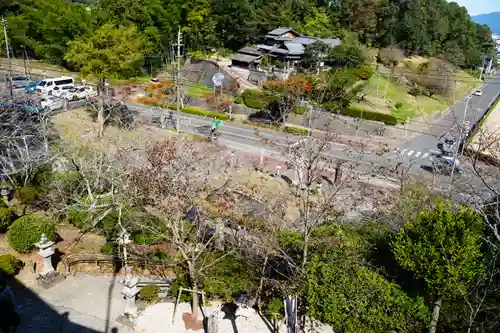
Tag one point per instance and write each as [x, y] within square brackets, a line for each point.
[196, 91]
[405, 106]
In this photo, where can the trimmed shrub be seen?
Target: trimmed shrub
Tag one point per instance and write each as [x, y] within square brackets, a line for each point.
[143, 238]
[159, 256]
[256, 99]
[77, 218]
[107, 248]
[238, 100]
[149, 293]
[299, 110]
[7, 216]
[27, 194]
[27, 230]
[296, 130]
[205, 113]
[10, 264]
[358, 112]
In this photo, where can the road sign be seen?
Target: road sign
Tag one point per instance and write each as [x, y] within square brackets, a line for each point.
[217, 79]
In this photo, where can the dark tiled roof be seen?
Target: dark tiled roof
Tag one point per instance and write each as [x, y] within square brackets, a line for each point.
[280, 31]
[250, 51]
[294, 48]
[245, 57]
[305, 40]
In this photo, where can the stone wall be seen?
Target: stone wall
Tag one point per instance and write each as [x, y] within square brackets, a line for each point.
[201, 72]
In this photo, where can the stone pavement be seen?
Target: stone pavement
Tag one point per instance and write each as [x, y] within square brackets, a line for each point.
[81, 303]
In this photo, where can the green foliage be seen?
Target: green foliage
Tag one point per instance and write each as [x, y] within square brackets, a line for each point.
[108, 248]
[27, 230]
[228, 277]
[149, 293]
[353, 298]
[110, 50]
[7, 216]
[143, 238]
[27, 194]
[205, 113]
[296, 130]
[77, 218]
[10, 264]
[359, 112]
[275, 308]
[443, 247]
[300, 110]
[238, 100]
[347, 55]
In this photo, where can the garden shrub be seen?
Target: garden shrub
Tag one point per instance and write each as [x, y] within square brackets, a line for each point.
[143, 238]
[358, 112]
[27, 194]
[149, 293]
[296, 130]
[301, 110]
[238, 100]
[109, 226]
[27, 230]
[108, 248]
[159, 256]
[205, 113]
[256, 99]
[10, 264]
[7, 216]
[77, 218]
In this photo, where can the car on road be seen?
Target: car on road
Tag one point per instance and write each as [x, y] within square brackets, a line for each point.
[19, 81]
[52, 103]
[61, 91]
[444, 165]
[78, 93]
[478, 92]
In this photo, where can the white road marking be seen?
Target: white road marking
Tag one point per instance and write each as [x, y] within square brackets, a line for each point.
[425, 155]
[410, 152]
[418, 154]
[404, 150]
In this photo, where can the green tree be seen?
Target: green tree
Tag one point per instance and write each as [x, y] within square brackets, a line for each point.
[442, 246]
[111, 51]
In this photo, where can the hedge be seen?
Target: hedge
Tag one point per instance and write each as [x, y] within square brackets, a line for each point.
[256, 99]
[7, 216]
[149, 293]
[296, 130]
[27, 230]
[358, 112]
[299, 110]
[143, 238]
[10, 264]
[205, 113]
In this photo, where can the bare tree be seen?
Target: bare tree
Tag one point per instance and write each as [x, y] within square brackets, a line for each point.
[177, 178]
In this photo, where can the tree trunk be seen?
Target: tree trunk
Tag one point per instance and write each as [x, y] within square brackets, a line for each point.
[305, 250]
[194, 287]
[100, 110]
[435, 315]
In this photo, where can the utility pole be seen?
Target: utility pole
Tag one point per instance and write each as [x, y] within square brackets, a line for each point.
[177, 79]
[8, 54]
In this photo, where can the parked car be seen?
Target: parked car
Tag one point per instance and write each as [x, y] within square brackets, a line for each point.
[52, 103]
[78, 93]
[31, 87]
[61, 91]
[478, 92]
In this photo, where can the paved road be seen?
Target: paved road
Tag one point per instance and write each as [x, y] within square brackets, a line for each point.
[421, 146]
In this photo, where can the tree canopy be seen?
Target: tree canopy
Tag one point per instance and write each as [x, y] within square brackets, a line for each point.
[46, 29]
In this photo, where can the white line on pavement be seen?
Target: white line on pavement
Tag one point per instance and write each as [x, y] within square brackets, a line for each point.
[425, 155]
[410, 152]
[418, 154]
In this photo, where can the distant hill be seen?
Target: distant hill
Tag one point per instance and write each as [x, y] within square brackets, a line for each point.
[491, 19]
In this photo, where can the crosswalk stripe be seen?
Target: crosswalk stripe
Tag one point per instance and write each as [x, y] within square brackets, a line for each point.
[403, 151]
[425, 155]
[410, 153]
[418, 154]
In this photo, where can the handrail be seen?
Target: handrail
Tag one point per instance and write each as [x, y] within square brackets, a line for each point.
[76, 258]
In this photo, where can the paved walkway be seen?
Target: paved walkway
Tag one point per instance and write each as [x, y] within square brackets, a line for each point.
[81, 303]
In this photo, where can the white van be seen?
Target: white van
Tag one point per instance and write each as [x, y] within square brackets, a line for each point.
[46, 86]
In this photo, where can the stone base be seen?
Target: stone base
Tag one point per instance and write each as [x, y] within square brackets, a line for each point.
[126, 321]
[49, 280]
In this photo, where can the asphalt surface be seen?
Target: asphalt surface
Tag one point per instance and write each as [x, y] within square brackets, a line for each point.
[463, 114]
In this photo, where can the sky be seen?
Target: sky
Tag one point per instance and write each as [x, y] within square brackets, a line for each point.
[476, 7]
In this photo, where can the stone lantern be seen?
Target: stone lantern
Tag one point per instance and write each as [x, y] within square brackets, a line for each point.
[130, 289]
[46, 251]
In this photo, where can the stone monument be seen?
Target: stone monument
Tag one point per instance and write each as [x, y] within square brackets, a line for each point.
[49, 276]
[130, 289]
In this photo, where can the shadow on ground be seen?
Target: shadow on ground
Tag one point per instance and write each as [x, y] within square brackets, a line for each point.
[36, 316]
